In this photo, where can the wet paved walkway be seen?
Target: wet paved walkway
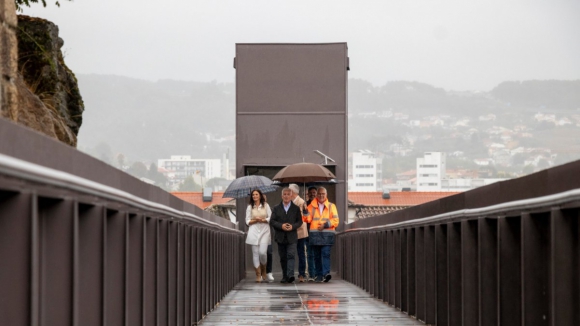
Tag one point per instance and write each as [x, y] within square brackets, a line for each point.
[334, 303]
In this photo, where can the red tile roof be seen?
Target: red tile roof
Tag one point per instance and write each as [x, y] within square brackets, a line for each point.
[195, 197]
[398, 198]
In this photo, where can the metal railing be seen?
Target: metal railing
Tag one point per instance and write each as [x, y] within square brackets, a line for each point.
[502, 254]
[82, 243]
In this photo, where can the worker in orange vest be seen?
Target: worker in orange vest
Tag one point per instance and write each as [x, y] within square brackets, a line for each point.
[323, 218]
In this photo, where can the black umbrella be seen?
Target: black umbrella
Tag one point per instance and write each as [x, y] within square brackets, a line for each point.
[243, 186]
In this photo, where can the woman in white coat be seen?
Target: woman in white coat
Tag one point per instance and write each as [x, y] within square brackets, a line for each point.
[257, 218]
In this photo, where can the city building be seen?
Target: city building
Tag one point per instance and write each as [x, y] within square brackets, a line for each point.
[366, 172]
[464, 184]
[430, 171]
[182, 166]
[432, 175]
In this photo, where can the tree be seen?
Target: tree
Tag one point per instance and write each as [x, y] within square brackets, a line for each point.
[103, 152]
[528, 169]
[460, 163]
[543, 164]
[121, 161]
[138, 169]
[214, 182]
[565, 158]
[492, 171]
[518, 159]
[155, 175]
[189, 185]
[504, 174]
[20, 3]
[393, 165]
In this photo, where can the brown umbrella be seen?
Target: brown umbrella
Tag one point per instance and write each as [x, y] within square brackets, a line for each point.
[304, 172]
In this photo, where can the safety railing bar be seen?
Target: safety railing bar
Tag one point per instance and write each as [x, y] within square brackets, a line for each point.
[524, 204]
[37, 173]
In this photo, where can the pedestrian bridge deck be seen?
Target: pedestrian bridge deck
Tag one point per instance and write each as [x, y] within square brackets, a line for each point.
[335, 303]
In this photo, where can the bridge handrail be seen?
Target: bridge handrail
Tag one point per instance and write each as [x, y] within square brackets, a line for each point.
[506, 253]
[517, 205]
[15, 167]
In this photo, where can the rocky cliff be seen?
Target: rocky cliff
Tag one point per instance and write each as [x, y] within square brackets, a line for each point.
[8, 58]
[41, 92]
[44, 73]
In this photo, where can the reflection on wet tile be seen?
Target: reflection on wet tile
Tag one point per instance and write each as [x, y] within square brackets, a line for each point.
[334, 303]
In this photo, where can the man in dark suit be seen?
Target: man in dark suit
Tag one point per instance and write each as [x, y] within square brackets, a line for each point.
[286, 219]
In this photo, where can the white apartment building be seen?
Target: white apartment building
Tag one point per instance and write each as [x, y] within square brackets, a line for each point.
[202, 170]
[430, 171]
[367, 172]
[467, 183]
[225, 166]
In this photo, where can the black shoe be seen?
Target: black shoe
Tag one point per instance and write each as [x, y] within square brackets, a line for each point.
[284, 280]
[291, 279]
[318, 279]
[327, 278]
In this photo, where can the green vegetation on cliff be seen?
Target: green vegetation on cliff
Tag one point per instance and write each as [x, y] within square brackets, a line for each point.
[20, 3]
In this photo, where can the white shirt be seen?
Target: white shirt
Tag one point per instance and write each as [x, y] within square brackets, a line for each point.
[320, 207]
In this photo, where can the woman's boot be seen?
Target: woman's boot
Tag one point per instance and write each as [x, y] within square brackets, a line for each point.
[258, 274]
[263, 272]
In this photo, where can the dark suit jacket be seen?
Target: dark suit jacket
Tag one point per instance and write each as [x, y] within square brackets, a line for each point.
[279, 217]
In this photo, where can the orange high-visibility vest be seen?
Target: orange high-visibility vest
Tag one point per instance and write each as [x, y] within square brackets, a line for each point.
[329, 214]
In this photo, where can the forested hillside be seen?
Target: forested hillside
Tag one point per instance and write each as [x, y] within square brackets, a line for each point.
[146, 121]
[151, 120]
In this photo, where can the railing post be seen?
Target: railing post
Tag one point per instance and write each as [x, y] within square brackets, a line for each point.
[386, 264]
[470, 272]
[489, 271]
[430, 276]
[392, 267]
[378, 257]
[162, 272]
[564, 267]
[510, 271]
[19, 257]
[536, 268]
[442, 261]
[187, 277]
[420, 290]
[135, 269]
[150, 306]
[407, 252]
[91, 241]
[56, 226]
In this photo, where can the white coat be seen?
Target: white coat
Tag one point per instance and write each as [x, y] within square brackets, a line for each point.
[258, 232]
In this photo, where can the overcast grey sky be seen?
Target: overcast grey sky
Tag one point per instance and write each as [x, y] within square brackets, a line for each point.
[454, 44]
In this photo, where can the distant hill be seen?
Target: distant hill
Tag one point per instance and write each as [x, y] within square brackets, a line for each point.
[540, 94]
[423, 98]
[150, 120]
[417, 99]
